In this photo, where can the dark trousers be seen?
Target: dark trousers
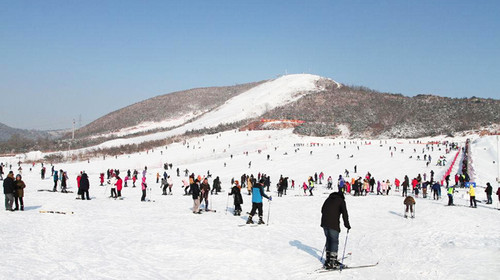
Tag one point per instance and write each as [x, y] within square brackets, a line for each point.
[473, 201]
[164, 189]
[256, 206]
[85, 193]
[143, 198]
[405, 191]
[55, 185]
[450, 199]
[113, 192]
[409, 207]
[490, 201]
[435, 195]
[237, 207]
[19, 200]
[332, 240]
[311, 191]
[119, 193]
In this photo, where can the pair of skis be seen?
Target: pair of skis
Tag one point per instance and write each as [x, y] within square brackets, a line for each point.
[344, 267]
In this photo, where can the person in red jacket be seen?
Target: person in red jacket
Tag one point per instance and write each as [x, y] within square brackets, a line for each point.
[119, 185]
[397, 183]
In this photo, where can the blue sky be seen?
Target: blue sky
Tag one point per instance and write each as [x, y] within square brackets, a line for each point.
[62, 59]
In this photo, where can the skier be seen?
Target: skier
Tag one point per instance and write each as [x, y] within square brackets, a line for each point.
[8, 190]
[488, 191]
[396, 183]
[119, 185]
[472, 193]
[56, 177]
[195, 191]
[409, 202]
[498, 193]
[163, 186]
[311, 186]
[205, 191]
[216, 186]
[332, 208]
[450, 195]
[113, 187]
[84, 186]
[257, 195]
[329, 183]
[144, 188]
[101, 178]
[406, 184]
[64, 179]
[238, 199]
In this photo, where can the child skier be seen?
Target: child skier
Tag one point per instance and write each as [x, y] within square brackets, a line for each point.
[238, 199]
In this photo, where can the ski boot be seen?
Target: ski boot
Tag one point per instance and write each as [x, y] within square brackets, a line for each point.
[261, 222]
[249, 221]
[328, 265]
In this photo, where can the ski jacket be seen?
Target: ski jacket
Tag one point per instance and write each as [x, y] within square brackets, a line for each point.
[450, 190]
[472, 191]
[397, 182]
[143, 184]
[205, 189]
[84, 182]
[119, 184]
[332, 208]
[488, 190]
[258, 193]
[236, 193]
[195, 190]
[409, 200]
[8, 185]
[19, 185]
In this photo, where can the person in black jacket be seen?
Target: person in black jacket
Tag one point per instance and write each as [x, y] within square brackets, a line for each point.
[195, 191]
[489, 191]
[8, 190]
[333, 207]
[84, 186]
[238, 199]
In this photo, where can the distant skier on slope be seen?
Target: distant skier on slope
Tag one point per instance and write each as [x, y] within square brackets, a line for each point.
[332, 208]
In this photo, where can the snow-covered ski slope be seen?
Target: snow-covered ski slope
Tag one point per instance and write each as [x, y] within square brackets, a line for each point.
[250, 104]
[129, 239]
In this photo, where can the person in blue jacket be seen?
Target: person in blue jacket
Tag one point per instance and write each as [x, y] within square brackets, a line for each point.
[56, 178]
[257, 195]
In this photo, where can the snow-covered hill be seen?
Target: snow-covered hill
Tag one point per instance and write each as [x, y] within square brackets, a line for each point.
[116, 239]
[247, 105]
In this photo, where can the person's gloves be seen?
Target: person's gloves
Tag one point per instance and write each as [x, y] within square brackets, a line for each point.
[348, 227]
[270, 198]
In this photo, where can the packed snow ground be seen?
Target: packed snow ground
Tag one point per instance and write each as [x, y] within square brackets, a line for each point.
[118, 239]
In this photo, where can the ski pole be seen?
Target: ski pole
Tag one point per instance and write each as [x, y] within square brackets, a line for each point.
[268, 211]
[322, 253]
[343, 254]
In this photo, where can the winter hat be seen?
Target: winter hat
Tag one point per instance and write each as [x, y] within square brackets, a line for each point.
[19, 175]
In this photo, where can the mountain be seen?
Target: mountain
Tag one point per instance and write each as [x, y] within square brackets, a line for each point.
[163, 111]
[368, 113]
[313, 105]
[7, 132]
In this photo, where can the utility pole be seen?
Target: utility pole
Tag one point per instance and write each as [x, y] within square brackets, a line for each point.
[73, 134]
